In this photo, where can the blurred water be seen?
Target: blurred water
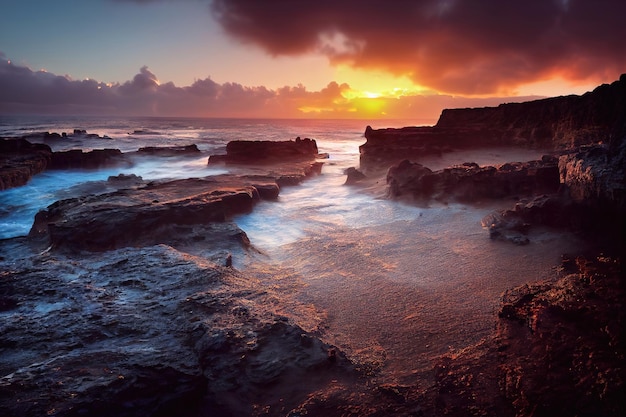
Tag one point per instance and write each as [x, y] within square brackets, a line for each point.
[397, 283]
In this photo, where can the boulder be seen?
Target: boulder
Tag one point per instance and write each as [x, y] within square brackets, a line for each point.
[353, 176]
[259, 152]
[20, 160]
[95, 159]
[596, 174]
[183, 150]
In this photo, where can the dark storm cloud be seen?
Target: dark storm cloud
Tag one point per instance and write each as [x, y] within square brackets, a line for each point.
[456, 46]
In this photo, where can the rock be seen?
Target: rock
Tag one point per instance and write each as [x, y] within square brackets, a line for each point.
[557, 123]
[96, 159]
[504, 226]
[409, 178]
[149, 331]
[596, 174]
[254, 152]
[20, 160]
[145, 215]
[169, 150]
[125, 180]
[470, 182]
[353, 176]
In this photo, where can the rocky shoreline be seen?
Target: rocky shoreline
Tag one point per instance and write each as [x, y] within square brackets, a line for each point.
[156, 318]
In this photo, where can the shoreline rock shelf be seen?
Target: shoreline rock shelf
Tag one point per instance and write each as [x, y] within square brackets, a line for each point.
[151, 321]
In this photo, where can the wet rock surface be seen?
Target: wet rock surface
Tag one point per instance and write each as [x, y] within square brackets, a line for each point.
[255, 152]
[471, 182]
[96, 159]
[129, 303]
[20, 160]
[149, 214]
[160, 321]
[148, 331]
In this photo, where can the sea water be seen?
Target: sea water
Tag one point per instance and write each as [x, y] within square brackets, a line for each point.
[396, 284]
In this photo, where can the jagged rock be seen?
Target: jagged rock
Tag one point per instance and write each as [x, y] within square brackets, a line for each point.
[470, 182]
[557, 123]
[353, 176]
[54, 136]
[20, 160]
[596, 174]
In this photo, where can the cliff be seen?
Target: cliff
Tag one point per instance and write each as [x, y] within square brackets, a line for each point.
[556, 123]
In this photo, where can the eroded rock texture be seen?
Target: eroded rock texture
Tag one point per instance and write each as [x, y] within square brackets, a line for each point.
[20, 160]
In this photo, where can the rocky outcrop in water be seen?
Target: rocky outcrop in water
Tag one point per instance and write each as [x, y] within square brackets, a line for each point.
[471, 182]
[20, 160]
[260, 152]
[155, 213]
[186, 150]
[95, 159]
[129, 303]
[591, 199]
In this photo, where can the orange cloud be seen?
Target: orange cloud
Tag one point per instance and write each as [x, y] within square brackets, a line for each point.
[25, 91]
[475, 47]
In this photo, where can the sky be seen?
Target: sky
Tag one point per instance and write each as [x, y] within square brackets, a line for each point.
[367, 59]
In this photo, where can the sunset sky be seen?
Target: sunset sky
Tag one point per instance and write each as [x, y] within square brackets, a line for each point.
[301, 58]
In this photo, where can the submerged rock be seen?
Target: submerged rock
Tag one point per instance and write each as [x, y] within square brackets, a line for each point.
[354, 176]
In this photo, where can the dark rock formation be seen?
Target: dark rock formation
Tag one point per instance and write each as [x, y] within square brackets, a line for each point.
[20, 160]
[169, 150]
[259, 152]
[149, 332]
[591, 199]
[145, 215]
[555, 123]
[354, 176]
[470, 182]
[558, 350]
[55, 137]
[96, 159]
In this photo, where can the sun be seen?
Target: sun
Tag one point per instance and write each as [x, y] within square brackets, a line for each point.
[376, 84]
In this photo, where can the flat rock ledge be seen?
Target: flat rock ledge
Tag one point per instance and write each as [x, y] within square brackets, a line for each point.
[149, 214]
[265, 151]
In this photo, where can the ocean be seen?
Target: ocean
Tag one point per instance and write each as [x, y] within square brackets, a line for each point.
[393, 284]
